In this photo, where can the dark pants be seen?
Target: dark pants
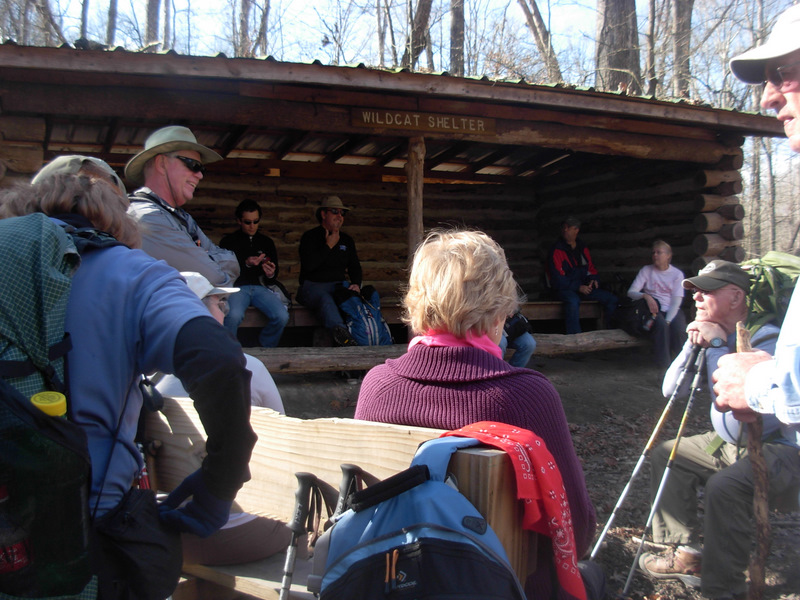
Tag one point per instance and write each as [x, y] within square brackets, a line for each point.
[572, 304]
[668, 339]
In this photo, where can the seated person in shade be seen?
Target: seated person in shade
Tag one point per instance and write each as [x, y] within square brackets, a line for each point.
[660, 285]
[459, 295]
[263, 391]
[245, 537]
[517, 336]
[573, 276]
[328, 259]
[258, 279]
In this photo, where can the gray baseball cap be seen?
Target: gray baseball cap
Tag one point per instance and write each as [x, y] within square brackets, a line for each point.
[71, 164]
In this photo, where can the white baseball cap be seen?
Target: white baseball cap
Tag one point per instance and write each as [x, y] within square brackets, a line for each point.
[785, 38]
[202, 287]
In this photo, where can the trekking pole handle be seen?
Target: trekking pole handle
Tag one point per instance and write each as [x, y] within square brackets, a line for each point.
[302, 500]
[350, 475]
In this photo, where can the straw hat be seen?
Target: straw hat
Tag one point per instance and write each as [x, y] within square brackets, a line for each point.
[331, 202]
[163, 141]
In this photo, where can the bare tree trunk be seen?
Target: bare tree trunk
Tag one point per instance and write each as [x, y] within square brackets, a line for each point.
[111, 28]
[457, 37]
[242, 45]
[652, 80]
[418, 35]
[681, 40]
[541, 36]
[43, 8]
[151, 33]
[167, 44]
[381, 32]
[766, 145]
[390, 27]
[84, 17]
[617, 56]
[260, 40]
[755, 200]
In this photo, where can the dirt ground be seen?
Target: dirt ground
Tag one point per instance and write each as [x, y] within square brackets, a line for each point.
[612, 401]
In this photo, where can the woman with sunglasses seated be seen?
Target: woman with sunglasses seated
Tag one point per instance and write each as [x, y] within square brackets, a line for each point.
[328, 259]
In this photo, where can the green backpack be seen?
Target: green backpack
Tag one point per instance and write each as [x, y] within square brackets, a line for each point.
[773, 278]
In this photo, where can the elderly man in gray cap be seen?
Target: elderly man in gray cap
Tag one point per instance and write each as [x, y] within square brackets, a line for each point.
[170, 168]
[715, 459]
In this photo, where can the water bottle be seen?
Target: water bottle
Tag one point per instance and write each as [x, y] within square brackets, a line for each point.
[51, 403]
[648, 322]
[16, 569]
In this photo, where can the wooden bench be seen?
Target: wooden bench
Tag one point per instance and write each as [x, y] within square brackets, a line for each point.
[287, 445]
[316, 360]
[540, 310]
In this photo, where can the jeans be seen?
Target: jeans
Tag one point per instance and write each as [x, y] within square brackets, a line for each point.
[318, 296]
[268, 303]
[572, 304]
[523, 346]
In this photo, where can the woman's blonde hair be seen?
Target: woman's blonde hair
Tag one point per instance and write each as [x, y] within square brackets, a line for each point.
[459, 282]
[88, 195]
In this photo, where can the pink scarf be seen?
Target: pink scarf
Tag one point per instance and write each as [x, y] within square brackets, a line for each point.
[441, 338]
[541, 489]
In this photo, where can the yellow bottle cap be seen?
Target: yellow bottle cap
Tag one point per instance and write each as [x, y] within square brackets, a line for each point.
[50, 403]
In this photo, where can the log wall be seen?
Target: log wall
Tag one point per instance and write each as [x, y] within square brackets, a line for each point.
[624, 203]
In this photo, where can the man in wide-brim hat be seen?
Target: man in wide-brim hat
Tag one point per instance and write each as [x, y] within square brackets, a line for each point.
[328, 259]
[170, 168]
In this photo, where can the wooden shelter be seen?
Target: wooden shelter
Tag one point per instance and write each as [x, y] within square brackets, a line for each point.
[407, 151]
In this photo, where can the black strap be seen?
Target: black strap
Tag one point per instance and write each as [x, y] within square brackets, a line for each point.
[25, 368]
[389, 488]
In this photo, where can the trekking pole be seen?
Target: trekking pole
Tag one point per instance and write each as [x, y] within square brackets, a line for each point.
[695, 383]
[687, 368]
[351, 479]
[305, 483]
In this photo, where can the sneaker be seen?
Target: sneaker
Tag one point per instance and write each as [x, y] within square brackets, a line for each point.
[683, 563]
[342, 337]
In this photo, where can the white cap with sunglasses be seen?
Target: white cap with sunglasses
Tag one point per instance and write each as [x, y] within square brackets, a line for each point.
[165, 141]
[750, 66]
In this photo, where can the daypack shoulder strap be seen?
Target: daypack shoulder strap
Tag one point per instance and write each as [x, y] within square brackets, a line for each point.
[435, 454]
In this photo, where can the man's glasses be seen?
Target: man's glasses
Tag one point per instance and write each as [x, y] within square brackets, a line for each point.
[222, 304]
[782, 75]
[695, 290]
[195, 166]
[337, 211]
[254, 222]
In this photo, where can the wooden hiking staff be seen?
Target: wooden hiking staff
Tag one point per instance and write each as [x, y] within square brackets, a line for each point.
[760, 487]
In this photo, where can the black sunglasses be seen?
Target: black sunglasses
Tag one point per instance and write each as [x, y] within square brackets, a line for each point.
[337, 211]
[246, 222]
[195, 166]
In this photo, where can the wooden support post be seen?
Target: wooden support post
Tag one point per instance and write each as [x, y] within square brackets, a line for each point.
[415, 174]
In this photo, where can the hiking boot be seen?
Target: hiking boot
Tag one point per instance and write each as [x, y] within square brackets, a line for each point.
[342, 337]
[683, 563]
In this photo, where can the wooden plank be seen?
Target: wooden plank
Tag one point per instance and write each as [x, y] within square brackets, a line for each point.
[286, 445]
[316, 360]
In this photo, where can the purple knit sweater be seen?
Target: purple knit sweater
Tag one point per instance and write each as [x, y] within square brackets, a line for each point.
[448, 388]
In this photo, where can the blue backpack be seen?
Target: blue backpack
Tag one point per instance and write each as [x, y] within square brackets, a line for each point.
[414, 536]
[362, 315]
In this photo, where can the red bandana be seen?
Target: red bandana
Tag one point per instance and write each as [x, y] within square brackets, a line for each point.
[540, 487]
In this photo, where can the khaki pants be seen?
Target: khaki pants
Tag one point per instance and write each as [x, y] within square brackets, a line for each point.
[727, 527]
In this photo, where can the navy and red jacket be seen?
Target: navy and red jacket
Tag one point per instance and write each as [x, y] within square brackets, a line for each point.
[569, 268]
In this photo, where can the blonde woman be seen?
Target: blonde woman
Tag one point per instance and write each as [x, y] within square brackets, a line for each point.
[459, 294]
